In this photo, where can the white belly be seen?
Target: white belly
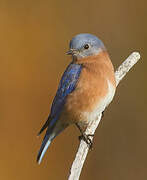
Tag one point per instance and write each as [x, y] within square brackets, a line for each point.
[89, 116]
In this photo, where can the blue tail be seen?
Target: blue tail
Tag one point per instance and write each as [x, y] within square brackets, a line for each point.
[51, 133]
[45, 144]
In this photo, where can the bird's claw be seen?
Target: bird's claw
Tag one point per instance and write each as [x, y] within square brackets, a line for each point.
[85, 137]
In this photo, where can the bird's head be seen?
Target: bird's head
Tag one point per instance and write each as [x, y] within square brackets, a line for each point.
[84, 45]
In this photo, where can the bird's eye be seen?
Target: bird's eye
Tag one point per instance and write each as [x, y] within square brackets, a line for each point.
[86, 46]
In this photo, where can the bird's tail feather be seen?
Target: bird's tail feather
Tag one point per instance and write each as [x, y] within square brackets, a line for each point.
[51, 133]
[44, 126]
[45, 144]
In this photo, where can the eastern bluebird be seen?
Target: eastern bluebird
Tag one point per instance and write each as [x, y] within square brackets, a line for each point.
[85, 90]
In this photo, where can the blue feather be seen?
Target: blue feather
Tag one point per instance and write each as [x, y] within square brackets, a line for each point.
[66, 86]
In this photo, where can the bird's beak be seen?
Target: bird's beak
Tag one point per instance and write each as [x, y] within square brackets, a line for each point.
[71, 52]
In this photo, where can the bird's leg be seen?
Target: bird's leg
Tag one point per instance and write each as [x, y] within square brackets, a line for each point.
[85, 137]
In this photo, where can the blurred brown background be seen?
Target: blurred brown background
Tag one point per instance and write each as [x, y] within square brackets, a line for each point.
[34, 37]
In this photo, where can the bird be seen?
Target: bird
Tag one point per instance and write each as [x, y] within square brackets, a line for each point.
[86, 88]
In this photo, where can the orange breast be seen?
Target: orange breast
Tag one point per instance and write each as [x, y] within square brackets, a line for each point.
[92, 85]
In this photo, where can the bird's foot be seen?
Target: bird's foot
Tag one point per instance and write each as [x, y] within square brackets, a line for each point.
[86, 138]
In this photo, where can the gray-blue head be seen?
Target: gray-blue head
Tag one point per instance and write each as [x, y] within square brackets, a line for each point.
[83, 45]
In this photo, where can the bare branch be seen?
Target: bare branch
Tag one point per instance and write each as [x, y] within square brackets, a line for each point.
[83, 148]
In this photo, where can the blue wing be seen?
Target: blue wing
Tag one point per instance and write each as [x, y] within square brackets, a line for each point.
[66, 86]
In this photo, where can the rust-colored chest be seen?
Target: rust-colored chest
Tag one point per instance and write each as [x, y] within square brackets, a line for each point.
[91, 87]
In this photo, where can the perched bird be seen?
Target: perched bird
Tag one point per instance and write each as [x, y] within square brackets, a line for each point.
[86, 88]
